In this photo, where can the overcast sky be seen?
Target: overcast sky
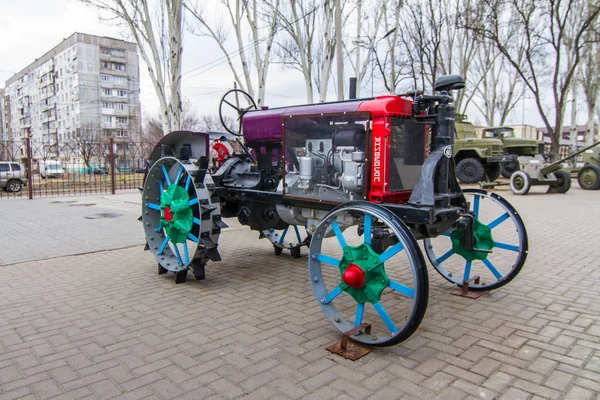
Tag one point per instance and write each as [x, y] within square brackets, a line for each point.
[29, 28]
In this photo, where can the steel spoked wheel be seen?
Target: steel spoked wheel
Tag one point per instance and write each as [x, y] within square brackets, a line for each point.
[371, 271]
[290, 238]
[498, 221]
[177, 217]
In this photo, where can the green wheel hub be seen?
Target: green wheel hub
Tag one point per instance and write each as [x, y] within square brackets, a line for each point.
[483, 240]
[176, 215]
[363, 274]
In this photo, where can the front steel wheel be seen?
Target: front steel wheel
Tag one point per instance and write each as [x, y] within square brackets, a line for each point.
[499, 221]
[371, 270]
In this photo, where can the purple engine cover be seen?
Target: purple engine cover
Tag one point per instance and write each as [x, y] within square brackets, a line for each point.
[266, 125]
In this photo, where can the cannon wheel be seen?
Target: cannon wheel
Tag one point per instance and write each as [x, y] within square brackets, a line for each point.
[173, 218]
[563, 182]
[589, 177]
[520, 183]
[231, 99]
[509, 251]
[378, 263]
[290, 238]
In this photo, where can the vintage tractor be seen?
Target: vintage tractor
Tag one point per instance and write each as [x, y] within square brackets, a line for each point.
[356, 175]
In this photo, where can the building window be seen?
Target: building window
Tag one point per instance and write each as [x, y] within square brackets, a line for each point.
[121, 93]
[118, 53]
[121, 133]
[104, 50]
[105, 78]
[105, 64]
[107, 105]
[107, 118]
[121, 107]
[107, 92]
[119, 67]
[121, 120]
[120, 80]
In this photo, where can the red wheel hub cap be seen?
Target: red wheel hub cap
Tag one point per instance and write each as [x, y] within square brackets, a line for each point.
[168, 214]
[354, 276]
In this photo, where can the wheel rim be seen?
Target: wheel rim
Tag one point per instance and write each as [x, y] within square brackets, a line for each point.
[353, 283]
[177, 226]
[589, 177]
[14, 187]
[509, 251]
[519, 182]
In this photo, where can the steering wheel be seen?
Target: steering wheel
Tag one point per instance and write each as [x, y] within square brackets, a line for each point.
[232, 100]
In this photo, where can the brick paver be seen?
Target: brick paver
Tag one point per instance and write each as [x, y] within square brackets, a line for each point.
[105, 325]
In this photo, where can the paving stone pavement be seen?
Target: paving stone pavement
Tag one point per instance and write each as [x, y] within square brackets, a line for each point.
[105, 325]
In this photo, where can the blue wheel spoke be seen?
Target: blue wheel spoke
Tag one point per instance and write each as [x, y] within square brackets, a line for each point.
[333, 294]
[498, 220]
[446, 234]
[187, 182]
[467, 274]
[476, 206]
[186, 254]
[193, 201]
[178, 174]
[385, 317]
[192, 237]
[160, 185]
[298, 234]
[177, 253]
[391, 252]
[360, 310]
[400, 288]
[338, 234]
[492, 268]
[328, 260]
[163, 245]
[505, 246]
[283, 234]
[164, 170]
[153, 206]
[368, 222]
[196, 221]
[444, 256]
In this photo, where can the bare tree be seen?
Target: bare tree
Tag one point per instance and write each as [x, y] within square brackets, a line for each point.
[244, 19]
[190, 121]
[555, 33]
[295, 49]
[158, 34]
[590, 70]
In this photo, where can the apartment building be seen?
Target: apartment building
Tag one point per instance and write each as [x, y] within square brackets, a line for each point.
[85, 88]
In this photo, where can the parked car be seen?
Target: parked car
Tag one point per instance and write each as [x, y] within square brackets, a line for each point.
[51, 169]
[12, 176]
[100, 171]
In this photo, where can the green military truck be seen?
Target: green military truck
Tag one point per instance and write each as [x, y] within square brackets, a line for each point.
[476, 159]
[513, 146]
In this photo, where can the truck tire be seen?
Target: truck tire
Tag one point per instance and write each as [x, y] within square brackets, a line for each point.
[507, 168]
[492, 171]
[470, 170]
[589, 177]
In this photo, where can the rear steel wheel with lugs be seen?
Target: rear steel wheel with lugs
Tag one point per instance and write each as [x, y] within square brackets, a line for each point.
[499, 229]
[180, 223]
[371, 270]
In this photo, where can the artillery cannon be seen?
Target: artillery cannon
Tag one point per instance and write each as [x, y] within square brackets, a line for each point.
[535, 171]
[358, 176]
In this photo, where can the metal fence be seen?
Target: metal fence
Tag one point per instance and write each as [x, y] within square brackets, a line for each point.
[77, 168]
